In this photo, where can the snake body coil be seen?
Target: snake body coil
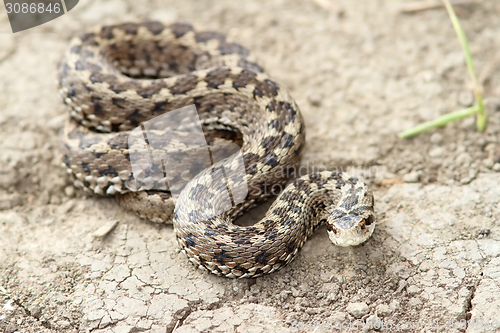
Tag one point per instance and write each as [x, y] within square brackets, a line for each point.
[117, 77]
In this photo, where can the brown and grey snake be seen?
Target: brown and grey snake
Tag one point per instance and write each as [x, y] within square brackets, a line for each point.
[117, 77]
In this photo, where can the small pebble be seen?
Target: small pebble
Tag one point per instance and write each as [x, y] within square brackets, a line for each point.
[314, 99]
[496, 167]
[413, 290]
[374, 322]
[466, 180]
[332, 297]
[473, 171]
[338, 317]
[64, 324]
[401, 285]
[466, 98]
[105, 229]
[493, 104]
[436, 138]
[358, 310]
[415, 302]
[36, 312]
[69, 191]
[437, 151]
[55, 200]
[412, 177]
[488, 162]
[463, 159]
[11, 328]
[383, 310]
[468, 122]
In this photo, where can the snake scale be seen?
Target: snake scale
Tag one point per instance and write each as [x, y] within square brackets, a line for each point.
[116, 77]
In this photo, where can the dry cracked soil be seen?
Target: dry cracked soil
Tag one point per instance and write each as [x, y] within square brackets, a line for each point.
[361, 71]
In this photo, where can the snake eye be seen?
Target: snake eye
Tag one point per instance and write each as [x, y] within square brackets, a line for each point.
[332, 229]
[362, 224]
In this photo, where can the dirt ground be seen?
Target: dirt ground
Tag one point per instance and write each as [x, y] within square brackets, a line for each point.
[361, 71]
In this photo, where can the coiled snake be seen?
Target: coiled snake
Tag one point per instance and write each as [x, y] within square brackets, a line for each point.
[117, 77]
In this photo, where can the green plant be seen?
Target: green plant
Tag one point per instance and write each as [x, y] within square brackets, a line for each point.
[478, 107]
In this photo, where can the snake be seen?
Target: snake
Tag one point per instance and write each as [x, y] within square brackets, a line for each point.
[116, 78]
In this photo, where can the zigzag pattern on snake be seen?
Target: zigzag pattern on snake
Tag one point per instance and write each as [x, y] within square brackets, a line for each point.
[117, 77]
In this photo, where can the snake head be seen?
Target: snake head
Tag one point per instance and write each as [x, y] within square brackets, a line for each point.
[352, 220]
[351, 230]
